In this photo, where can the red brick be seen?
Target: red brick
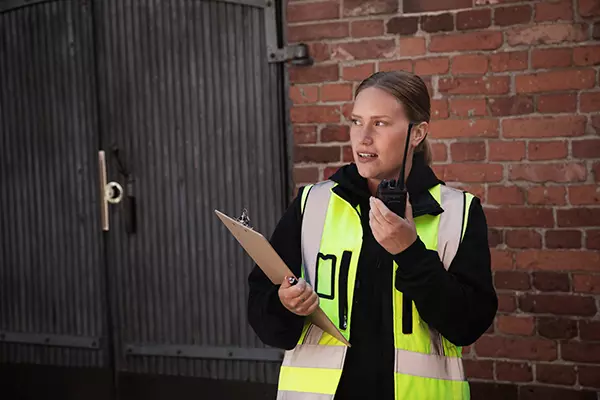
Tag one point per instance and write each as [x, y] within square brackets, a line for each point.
[347, 112]
[589, 330]
[472, 151]
[573, 79]
[509, 61]
[552, 195]
[595, 122]
[583, 283]
[440, 152]
[589, 376]
[502, 260]
[347, 154]
[304, 134]
[551, 58]
[596, 170]
[477, 190]
[353, 8]
[523, 239]
[578, 217]
[471, 173]
[459, 128]
[506, 303]
[540, 127]
[476, 86]
[315, 114]
[469, 64]
[513, 325]
[469, 41]
[403, 25]
[590, 101]
[336, 92]
[335, 133]
[542, 173]
[506, 151]
[300, 12]
[439, 108]
[581, 352]
[546, 34]
[551, 392]
[420, 6]
[516, 348]
[589, 8]
[315, 74]
[368, 28]
[557, 328]
[526, 217]
[367, 49]
[402, 65]
[468, 107]
[319, 51]
[557, 304]
[546, 11]
[558, 260]
[552, 150]
[557, 103]
[556, 374]
[586, 148]
[593, 239]
[479, 369]
[326, 30]
[316, 154]
[414, 46]
[513, 15]
[327, 172]
[303, 94]
[511, 105]
[596, 31]
[474, 19]
[505, 195]
[437, 23]
[306, 175]
[512, 280]
[551, 281]
[513, 372]
[563, 239]
[357, 72]
[432, 66]
[583, 195]
[495, 237]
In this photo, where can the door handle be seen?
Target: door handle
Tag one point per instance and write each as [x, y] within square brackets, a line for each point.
[110, 192]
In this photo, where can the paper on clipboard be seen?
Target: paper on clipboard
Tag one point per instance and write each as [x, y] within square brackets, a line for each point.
[259, 248]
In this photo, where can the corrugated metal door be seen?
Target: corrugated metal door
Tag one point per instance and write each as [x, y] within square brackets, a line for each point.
[192, 122]
[51, 262]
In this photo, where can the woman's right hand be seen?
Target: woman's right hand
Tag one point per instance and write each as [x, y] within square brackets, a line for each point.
[300, 299]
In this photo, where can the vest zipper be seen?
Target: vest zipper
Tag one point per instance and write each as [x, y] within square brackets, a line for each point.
[343, 290]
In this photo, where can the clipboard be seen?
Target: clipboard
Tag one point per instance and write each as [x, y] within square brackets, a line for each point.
[263, 254]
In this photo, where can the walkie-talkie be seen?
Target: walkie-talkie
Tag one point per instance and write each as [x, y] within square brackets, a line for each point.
[393, 192]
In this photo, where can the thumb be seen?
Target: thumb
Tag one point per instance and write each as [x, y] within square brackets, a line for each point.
[287, 282]
[408, 211]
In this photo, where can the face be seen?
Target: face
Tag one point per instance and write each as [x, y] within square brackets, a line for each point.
[378, 134]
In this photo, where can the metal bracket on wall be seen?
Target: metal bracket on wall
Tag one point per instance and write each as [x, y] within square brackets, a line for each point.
[83, 342]
[205, 352]
[298, 54]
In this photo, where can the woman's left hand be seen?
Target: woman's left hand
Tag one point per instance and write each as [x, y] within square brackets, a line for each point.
[395, 234]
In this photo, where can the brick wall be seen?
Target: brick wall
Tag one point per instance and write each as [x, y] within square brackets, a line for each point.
[516, 120]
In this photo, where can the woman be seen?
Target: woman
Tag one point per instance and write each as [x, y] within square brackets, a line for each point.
[406, 292]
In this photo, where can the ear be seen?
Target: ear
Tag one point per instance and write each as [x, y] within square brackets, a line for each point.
[419, 132]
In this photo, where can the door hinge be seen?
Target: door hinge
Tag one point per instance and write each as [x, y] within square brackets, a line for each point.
[297, 54]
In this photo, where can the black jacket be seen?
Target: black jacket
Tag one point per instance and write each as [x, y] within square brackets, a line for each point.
[460, 303]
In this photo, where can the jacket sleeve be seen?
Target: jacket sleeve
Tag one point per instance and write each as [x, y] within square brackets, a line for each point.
[460, 303]
[272, 322]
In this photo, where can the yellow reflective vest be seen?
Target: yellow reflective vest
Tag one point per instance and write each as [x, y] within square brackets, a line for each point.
[427, 366]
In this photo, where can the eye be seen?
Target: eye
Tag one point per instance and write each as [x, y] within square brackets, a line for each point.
[380, 123]
[356, 122]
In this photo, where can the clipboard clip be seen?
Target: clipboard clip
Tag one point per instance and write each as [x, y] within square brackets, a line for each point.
[244, 219]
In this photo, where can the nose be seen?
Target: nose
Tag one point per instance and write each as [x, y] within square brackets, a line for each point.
[366, 135]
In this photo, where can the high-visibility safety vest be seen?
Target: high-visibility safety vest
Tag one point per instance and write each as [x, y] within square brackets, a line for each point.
[427, 366]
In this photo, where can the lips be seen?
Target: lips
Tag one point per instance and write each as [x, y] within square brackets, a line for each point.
[366, 155]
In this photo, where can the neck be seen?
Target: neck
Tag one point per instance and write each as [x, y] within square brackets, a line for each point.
[373, 183]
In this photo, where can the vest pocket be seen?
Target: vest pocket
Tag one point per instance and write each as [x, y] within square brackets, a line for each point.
[325, 276]
[343, 289]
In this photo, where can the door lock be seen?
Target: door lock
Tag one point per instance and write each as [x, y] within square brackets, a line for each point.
[113, 192]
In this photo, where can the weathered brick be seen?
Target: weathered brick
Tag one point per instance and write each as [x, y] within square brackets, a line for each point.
[556, 374]
[563, 239]
[439, 109]
[399, 65]
[523, 239]
[552, 150]
[557, 304]
[440, 152]
[556, 11]
[590, 101]
[512, 280]
[589, 376]
[468, 107]
[542, 173]
[469, 41]
[316, 154]
[513, 15]
[502, 260]
[304, 94]
[574, 79]
[514, 371]
[403, 25]
[357, 72]
[589, 330]
[504, 195]
[551, 58]
[557, 103]
[325, 30]
[474, 19]
[509, 61]
[581, 352]
[546, 34]
[479, 369]
[495, 237]
[549, 195]
[585, 194]
[336, 92]
[551, 281]
[592, 239]
[578, 217]
[305, 175]
[414, 46]
[469, 64]
[316, 74]
[516, 348]
[304, 134]
[584, 283]
[506, 151]
[303, 12]
[540, 127]
[507, 303]
[470, 172]
[315, 114]
[510, 105]
[421, 6]
[335, 133]
[471, 151]
[476, 86]
[364, 50]
[557, 260]
[526, 217]
[366, 28]
[557, 328]
[455, 128]
[354, 8]
[431, 66]
[437, 23]
[589, 8]
[548, 392]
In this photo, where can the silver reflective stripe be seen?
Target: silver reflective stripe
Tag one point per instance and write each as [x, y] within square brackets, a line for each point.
[315, 356]
[437, 347]
[287, 395]
[429, 366]
[313, 335]
[450, 228]
[313, 222]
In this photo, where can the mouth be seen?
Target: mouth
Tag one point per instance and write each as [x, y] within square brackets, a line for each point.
[364, 155]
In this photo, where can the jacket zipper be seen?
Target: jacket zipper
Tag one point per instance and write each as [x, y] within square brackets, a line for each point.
[343, 289]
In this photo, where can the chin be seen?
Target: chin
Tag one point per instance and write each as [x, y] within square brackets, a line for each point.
[368, 171]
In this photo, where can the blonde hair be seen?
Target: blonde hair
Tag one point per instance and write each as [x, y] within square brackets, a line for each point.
[411, 92]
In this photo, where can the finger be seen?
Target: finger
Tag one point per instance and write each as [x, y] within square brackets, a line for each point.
[296, 290]
[387, 215]
[305, 307]
[286, 282]
[409, 210]
[376, 229]
[376, 212]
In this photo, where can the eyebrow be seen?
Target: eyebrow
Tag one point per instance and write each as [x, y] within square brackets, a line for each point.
[374, 116]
